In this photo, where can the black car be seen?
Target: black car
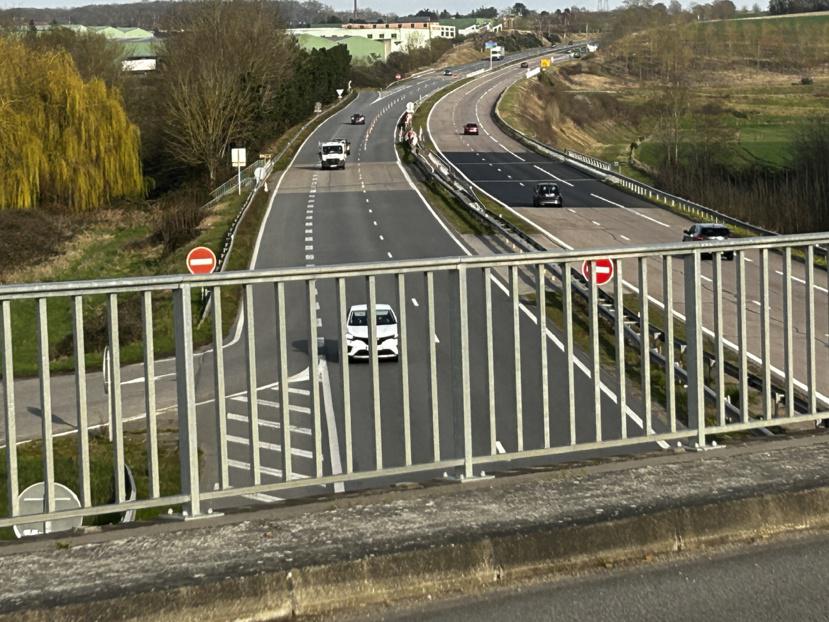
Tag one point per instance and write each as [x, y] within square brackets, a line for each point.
[524, 64]
[447, 72]
[703, 232]
[546, 194]
[358, 119]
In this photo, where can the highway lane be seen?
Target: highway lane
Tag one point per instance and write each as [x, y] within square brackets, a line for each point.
[368, 212]
[596, 215]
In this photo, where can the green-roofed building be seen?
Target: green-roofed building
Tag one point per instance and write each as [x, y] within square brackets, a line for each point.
[362, 50]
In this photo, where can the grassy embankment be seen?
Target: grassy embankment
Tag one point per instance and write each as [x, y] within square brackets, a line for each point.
[124, 242]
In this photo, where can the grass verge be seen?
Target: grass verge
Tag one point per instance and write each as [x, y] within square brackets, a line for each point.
[30, 471]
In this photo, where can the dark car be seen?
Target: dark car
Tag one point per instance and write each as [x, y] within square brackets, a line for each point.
[547, 195]
[447, 72]
[524, 64]
[358, 119]
[703, 232]
[470, 128]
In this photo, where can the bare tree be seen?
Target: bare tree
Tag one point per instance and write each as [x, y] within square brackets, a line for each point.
[222, 68]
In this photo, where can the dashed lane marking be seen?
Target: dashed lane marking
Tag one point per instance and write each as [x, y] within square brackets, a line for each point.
[630, 209]
[274, 425]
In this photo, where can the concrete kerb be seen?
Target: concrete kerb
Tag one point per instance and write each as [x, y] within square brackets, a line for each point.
[389, 567]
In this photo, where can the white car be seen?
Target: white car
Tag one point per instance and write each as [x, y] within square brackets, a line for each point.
[357, 333]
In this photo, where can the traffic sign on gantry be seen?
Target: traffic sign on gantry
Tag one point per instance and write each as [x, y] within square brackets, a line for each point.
[603, 269]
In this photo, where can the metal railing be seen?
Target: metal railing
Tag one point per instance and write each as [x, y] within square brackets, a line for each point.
[486, 374]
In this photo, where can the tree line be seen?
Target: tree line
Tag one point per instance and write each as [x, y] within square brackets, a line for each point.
[77, 132]
[782, 7]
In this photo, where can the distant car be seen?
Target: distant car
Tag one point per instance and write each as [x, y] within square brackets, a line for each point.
[470, 128]
[546, 194]
[447, 72]
[346, 144]
[358, 119]
[704, 232]
[524, 64]
[357, 338]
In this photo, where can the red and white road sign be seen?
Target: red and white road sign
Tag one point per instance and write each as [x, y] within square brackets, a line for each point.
[397, 76]
[201, 260]
[603, 268]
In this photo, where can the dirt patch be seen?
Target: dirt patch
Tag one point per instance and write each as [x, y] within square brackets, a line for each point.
[33, 237]
[460, 55]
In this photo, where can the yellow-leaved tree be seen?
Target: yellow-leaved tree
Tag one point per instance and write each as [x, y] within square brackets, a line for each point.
[63, 140]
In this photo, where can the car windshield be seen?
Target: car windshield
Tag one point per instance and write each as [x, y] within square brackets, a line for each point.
[548, 189]
[471, 125]
[360, 317]
[332, 149]
[716, 232]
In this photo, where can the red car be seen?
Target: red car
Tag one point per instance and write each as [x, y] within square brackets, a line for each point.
[470, 128]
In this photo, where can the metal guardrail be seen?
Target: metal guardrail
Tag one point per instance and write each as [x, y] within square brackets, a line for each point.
[539, 420]
[231, 184]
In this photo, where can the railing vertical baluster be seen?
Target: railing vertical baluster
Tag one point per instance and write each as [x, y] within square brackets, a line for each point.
[765, 332]
[284, 390]
[149, 394]
[84, 483]
[742, 334]
[811, 335]
[645, 343]
[9, 409]
[719, 355]
[251, 379]
[219, 388]
[433, 374]
[490, 362]
[541, 297]
[516, 344]
[461, 411]
[186, 384]
[788, 330]
[117, 427]
[567, 311]
[694, 351]
[375, 372]
[595, 368]
[619, 308]
[316, 406]
[670, 370]
[45, 406]
[342, 312]
[403, 351]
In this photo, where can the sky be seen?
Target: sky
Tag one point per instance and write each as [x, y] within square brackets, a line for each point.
[401, 7]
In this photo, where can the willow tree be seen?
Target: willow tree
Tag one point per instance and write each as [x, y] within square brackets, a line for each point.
[223, 68]
[63, 140]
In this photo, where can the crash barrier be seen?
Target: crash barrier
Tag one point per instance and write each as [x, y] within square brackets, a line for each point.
[484, 377]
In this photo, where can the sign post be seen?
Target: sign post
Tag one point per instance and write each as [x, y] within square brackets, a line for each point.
[238, 158]
[603, 270]
[339, 93]
[201, 260]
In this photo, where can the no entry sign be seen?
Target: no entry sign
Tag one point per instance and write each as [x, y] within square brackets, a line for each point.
[603, 269]
[201, 260]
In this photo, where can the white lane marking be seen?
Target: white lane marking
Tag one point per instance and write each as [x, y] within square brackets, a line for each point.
[370, 211]
[500, 448]
[309, 231]
[436, 338]
[749, 260]
[319, 322]
[141, 379]
[295, 451]
[381, 237]
[598, 224]
[309, 248]
[509, 176]
[274, 425]
[572, 211]
[630, 209]
[415, 302]
[624, 237]
[331, 424]
[309, 238]
[803, 281]
[374, 222]
[389, 254]
[367, 200]
[756, 302]
[309, 257]
[498, 169]
[262, 497]
[245, 466]
[705, 278]
[521, 183]
[559, 179]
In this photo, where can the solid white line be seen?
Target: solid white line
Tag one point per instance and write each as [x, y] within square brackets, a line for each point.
[331, 424]
[553, 176]
[630, 209]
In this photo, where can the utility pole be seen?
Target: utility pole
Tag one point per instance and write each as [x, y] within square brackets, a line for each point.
[355, 9]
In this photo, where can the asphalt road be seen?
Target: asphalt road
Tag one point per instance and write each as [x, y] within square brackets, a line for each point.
[780, 580]
[596, 215]
[370, 212]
